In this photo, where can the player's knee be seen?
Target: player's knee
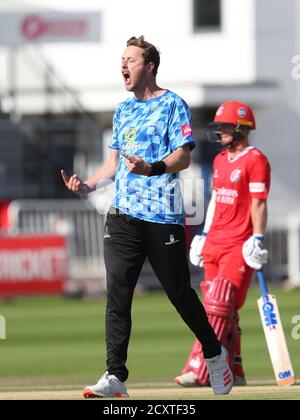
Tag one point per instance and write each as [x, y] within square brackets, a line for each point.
[220, 305]
[119, 299]
[220, 298]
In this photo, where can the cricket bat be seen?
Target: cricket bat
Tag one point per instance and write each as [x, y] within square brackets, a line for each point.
[274, 334]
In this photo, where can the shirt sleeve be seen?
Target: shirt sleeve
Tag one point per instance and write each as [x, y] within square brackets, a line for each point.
[259, 176]
[180, 125]
[115, 140]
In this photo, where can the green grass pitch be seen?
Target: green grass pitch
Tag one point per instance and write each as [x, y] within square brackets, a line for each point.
[59, 341]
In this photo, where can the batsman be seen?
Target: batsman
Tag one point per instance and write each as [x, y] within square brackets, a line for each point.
[231, 244]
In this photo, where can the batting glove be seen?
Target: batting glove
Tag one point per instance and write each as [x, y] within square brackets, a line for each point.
[196, 249]
[254, 255]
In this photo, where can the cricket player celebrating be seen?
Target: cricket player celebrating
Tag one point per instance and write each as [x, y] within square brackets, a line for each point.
[231, 245]
[152, 140]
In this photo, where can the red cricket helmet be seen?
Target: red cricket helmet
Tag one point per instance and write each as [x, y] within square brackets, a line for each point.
[236, 113]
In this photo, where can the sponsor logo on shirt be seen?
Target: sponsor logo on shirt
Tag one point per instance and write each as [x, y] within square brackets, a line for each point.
[186, 130]
[226, 195]
[131, 148]
[235, 175]
[130, 135]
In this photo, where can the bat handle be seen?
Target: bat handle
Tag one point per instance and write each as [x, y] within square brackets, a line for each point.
[262, 282]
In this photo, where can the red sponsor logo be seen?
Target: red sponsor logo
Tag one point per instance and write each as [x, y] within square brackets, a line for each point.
[34, 27]
[33, 265]
[186, 130]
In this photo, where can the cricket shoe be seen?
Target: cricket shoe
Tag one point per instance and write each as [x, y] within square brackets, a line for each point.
[108, 386]
[221, 377]
[189, 380]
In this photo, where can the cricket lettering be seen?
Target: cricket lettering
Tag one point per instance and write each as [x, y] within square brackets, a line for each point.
[285, 375]
[269, 315]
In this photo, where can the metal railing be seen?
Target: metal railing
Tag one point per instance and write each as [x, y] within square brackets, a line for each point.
[76, 220]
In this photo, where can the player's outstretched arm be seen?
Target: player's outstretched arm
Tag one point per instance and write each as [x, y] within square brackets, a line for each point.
[106, 172]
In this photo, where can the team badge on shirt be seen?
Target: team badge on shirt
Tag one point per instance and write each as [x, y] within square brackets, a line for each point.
[235, 175]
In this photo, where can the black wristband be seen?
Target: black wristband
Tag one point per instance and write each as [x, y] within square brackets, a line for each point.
[158, 168]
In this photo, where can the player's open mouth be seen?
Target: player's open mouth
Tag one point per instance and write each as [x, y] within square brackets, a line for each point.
[126, 77]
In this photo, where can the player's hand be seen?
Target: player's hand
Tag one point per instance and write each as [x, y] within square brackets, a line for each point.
[196, 250]
[75, 184]
[254, 254]
[136, 165]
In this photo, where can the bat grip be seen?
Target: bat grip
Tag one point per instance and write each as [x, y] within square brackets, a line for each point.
[262, 282]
